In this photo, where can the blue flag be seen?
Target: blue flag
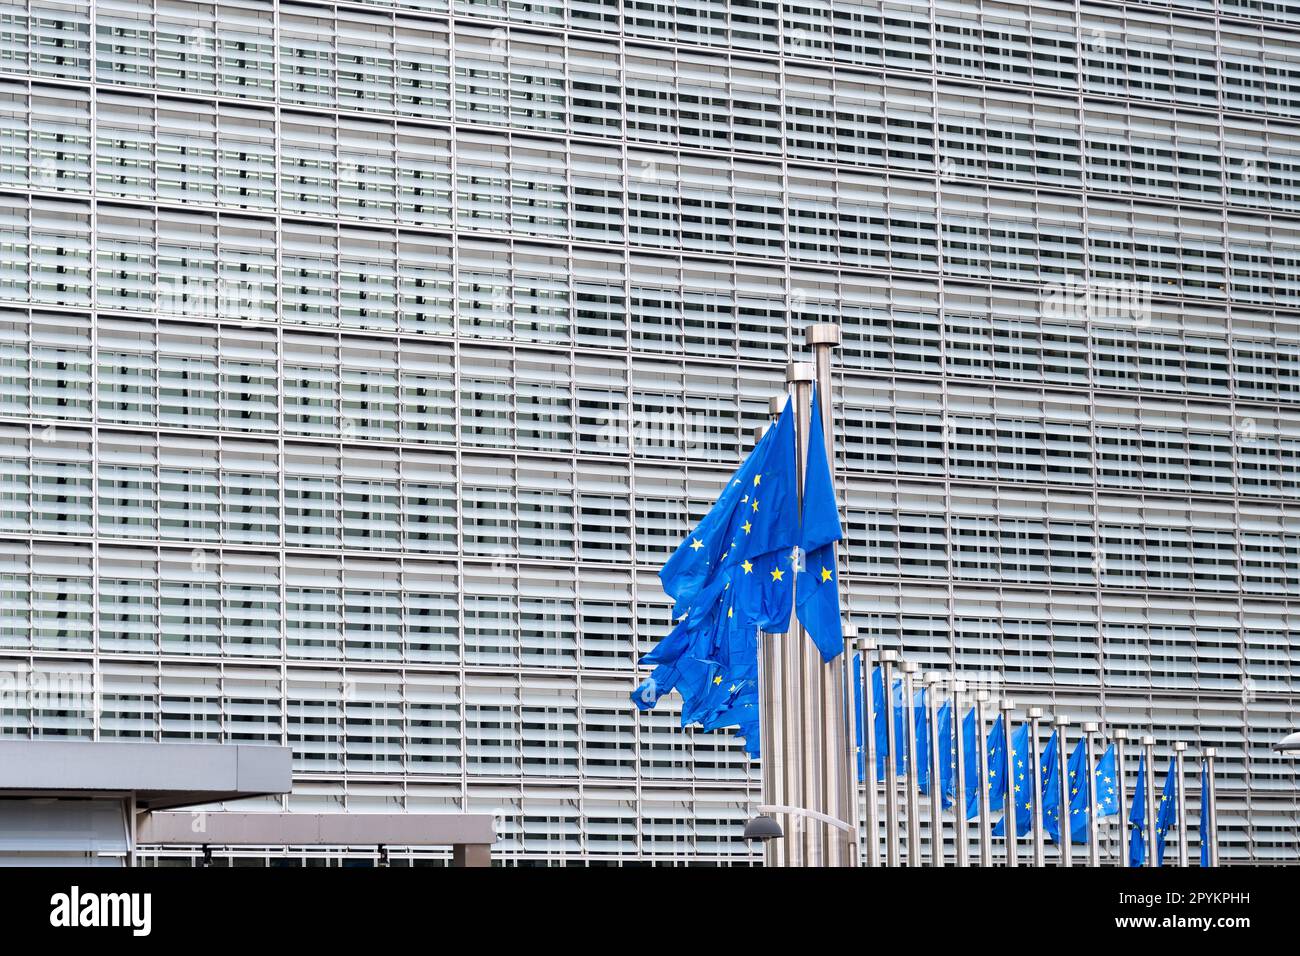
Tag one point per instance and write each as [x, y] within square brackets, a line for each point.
[732, 576]
[947, 753]
[859, 718]
[1137, 817]
[1203, 825]
[920, 715]
[1166, 813]
[1021, 783]
[1105, 785]
[997, 782]
[1050, 774]
[882, 728]
[1077, 797]
[818, 604]
[970, 741]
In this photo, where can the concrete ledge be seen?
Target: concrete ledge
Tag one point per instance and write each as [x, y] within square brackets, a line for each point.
[231, 828]
[160, 775]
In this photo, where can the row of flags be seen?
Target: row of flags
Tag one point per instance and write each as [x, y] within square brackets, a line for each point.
[1010, 769]
[754, 558]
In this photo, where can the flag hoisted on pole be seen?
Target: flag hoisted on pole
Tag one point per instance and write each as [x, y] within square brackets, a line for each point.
[1119, 735]
[938, 758]
[866, 646]
[1138, 816]
[1089, 784]
[1209, 795]
[914, 763]
[893, 756]
[962, 848]
[1180, 747]
[1065, 838]
[982, 785]
[1036, 791]
[1149, 798]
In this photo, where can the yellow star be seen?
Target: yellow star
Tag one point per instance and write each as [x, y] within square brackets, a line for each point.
[777, 574]
[746, 526]
[826, 575]
[755, 505]
[729, 612]
[757, 479]
[697, 544]
[747, 566]
[717, 680]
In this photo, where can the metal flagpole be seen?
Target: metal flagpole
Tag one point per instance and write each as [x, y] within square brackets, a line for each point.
[788, 710]
[849, 720]
[982, 761]
[1009, 788]
[1036, 791]
[1212, 815]
[869, 791]
[771, 724]
[887, 659]
[961, 847]
[911, 766]
[1090, 749]
[1181, 791]
[841, 791]
[933, 683]
[1148, 746]
[1063, 805]
[800, 375]
[1120, 735]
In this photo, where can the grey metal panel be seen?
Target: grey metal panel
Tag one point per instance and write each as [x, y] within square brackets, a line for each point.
[159, 774]
[232, 828]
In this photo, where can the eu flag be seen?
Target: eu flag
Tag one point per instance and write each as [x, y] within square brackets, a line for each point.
[859, 718]
[1077, 797]
[882, 728]
[1105, 785]
[920, 714]
[1017, 767]
[1137, 817]
[970, 742]
[997, 782]
[818, 601]
[947, 752]
[1166, 813]
[732, 575]
[1050, 774]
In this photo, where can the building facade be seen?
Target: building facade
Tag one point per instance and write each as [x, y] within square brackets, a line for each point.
[363, 361]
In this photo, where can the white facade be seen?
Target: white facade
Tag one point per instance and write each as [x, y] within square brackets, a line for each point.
[363, 361]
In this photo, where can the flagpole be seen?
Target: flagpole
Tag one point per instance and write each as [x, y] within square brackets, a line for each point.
[848, 719]
[771, 711]
[911, 771]
[1036, 798]
[1149, 747]
[1179, 747]
[1063, 805]
[1120, 735]
[1213, 813]
[841, 793]
[800, 377]
[1090, 749]
[935, 680]
[887, 658]
[982, 761]
[865, 646]
[1009, 822]
[961, 847]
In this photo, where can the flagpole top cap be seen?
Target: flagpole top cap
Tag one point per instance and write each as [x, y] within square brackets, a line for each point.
[850, 631]
[959, 687]
[1148, 741]
[888, 657]
[866, 644]
[1119, 733]
[799, 372]
[759, 432]
[1210, 752]
[823, 333]
[1035, 713]
[910, 667]
[983, 696]
[1180, 745]
[1007, 703]
[1091, 726]
[935, 678]
[777, 404]
[1063, 721]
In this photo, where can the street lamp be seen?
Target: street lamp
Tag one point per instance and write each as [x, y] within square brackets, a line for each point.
[1289, 746]
[763, 828]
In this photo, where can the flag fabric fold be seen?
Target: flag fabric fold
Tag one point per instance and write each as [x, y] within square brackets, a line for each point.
[1137, 817]
[818, 601]
[1166, 812]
